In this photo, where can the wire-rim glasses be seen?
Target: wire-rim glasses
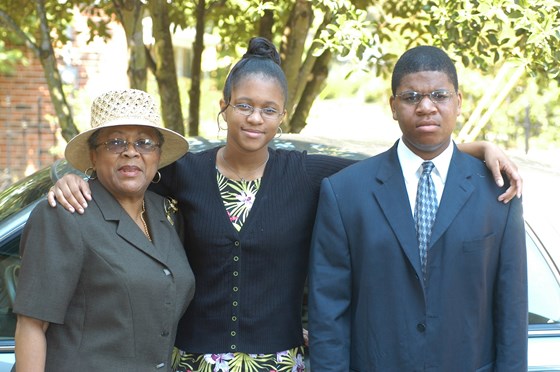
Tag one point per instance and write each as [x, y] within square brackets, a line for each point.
[119, 145]
[267, 113]
[437, 96]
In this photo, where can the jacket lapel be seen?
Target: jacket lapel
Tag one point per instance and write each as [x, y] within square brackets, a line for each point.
[391, 195]
[458, 189]
[126, 228]
[160, 227]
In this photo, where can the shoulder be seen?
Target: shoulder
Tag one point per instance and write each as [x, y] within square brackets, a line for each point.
[371, 165]
[282, 154]
[464, 163]
[287, 160]
[49, 215]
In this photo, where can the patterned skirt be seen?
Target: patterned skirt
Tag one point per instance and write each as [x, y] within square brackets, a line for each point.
[289, 360]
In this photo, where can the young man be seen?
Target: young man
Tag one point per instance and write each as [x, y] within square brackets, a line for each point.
[396, 286]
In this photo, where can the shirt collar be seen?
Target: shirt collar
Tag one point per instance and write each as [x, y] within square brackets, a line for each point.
[411, 163]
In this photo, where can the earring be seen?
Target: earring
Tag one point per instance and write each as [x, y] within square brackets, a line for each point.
[218, 121]
[279, 132]
[91, 174]
[158, 175]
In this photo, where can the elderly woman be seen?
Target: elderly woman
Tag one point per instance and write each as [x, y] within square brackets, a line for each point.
[104, 291]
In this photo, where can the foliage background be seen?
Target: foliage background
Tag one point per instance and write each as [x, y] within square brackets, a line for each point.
[331, 50]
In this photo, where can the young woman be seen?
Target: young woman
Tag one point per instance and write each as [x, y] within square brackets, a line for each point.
[249, 212]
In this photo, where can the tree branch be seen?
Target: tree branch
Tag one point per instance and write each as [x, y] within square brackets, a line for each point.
[10, 24]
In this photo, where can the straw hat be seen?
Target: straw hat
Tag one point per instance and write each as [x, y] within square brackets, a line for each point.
[125, 107]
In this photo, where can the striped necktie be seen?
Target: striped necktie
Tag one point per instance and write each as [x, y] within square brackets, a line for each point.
[425, 211]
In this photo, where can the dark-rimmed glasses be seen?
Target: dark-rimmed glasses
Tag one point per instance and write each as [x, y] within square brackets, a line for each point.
[119, 145]
[414, 98]
[267, 113]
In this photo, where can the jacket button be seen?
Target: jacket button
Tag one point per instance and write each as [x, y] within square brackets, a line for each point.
[165, 333]
[237, 243]
[421, 327]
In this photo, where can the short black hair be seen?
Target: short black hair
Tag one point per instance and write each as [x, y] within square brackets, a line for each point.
[423, 58]
[261, 58]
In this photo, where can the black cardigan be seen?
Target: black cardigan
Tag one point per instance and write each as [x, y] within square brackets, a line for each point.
[249, 284]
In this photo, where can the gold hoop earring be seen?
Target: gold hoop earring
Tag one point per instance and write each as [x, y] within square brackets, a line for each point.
[218, 121]
[279, 132]
[158, 174]
[90, 176]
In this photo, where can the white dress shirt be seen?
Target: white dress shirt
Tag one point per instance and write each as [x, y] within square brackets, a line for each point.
[411, 165]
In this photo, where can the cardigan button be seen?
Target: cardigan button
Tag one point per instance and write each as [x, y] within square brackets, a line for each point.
[237, 243]
[233, 347]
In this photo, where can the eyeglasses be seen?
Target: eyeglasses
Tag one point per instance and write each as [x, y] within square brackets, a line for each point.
[267, 113]
[414, 98]
[119, 145]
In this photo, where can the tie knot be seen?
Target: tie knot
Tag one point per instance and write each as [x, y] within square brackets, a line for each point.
[428, 166]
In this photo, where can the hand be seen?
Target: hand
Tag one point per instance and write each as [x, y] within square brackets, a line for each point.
[498, 163]
[72, 192]
[305, 337]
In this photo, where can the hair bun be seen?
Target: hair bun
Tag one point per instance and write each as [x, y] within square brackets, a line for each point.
[260, 47]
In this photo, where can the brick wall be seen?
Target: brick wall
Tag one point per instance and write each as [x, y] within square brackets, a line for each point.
[28, 133]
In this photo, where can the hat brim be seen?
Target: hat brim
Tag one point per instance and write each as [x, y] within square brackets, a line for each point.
[77, 151]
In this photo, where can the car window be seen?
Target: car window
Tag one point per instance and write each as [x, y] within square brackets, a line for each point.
[544, 287]
[9, 270]
[24, 192]
[30, 189]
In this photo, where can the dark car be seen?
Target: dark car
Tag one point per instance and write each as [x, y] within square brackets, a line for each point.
[17, 201]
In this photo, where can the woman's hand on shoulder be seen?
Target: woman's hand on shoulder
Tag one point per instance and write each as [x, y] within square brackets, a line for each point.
[499, 163]
[71, 192]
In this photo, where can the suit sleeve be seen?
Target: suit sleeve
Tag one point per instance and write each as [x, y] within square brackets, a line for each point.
[52, 252]
[329, 287]
[511, 295]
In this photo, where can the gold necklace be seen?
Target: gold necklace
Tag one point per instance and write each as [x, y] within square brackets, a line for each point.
[242, 179]
[146, 231]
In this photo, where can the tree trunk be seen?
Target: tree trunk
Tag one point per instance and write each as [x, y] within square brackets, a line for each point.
[47, 57]
[291, 51]
[165, 73]
[130, 15]
[266, 23]
[196, 70]
[312, 89]
[305, 74]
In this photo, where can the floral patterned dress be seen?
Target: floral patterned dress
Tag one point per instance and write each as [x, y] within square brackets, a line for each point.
[238, 198]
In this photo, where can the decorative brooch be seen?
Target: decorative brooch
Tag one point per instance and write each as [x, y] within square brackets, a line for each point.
[170, 206]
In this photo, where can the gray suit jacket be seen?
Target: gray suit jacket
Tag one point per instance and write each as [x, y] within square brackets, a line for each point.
[370, 310]
[113, 299]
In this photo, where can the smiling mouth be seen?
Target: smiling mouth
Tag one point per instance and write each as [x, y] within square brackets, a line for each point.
[253, 131]
[130, 169]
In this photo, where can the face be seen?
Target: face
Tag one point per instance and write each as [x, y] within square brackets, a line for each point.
[128, 174]
[426, 126]
[253, 132]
